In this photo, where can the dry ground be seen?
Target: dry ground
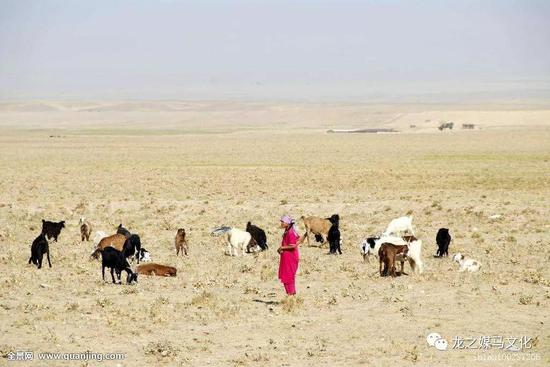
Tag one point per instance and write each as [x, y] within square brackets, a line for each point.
[170, 169]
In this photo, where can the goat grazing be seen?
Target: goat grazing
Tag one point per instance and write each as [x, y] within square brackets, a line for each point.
[52, 229]
[85, 229]
[235, 239]
[116, 261]
[371, 246]
[258, 235]
[318, 226]
[387, 256]
[181, 242]
[253, 246]
[40, 247]
[443, 240]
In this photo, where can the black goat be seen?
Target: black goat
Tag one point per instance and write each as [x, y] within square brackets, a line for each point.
[334, 235]
[123, 231]
[132, 247]
[40, 247]
[52, 229]
[258, 235]
[443, 239]
[115, 260]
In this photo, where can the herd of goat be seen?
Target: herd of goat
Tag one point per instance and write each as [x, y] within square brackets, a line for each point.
[396, 244]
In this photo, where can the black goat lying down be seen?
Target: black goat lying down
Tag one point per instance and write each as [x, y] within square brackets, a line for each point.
[115, 260]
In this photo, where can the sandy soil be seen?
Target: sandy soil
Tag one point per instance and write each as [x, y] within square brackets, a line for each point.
[159, 166]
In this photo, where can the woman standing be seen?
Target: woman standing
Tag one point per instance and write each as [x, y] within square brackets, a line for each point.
[289, 255]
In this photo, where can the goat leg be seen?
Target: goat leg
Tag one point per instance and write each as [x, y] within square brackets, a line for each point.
[112, 275]
[49, 262]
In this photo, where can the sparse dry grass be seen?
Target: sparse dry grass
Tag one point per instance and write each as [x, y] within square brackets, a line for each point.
[232, 311]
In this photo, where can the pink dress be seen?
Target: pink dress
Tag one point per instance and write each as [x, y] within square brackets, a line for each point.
[289, 259]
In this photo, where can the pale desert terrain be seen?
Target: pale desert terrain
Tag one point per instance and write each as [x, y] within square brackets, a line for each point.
[158, 166]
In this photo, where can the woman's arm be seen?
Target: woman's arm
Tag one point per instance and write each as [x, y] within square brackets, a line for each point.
[289, 247]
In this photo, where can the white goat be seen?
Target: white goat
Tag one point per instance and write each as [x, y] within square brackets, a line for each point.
[466, 264]
[235, 238]
[400, 227]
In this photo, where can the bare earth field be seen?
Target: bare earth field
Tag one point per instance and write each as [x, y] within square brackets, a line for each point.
[159, 166]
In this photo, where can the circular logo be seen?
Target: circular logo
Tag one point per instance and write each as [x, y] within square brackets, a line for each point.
[432, 337]
[441, 344]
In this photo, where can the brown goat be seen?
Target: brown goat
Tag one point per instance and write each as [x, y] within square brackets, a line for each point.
[317, 226]
[387, 255]
[85, 229]
[157, 269]
[115, 241]
[181, 242]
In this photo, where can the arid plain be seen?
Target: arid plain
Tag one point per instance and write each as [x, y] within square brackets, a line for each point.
[158, 166]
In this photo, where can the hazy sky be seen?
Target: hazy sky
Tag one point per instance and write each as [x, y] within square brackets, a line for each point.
[272, 49]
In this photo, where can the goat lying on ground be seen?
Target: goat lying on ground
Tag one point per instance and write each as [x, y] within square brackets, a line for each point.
[157, 269]
[85, 229]
[40, 247]
[258, 235]
[52, 229]
[318, 227]
[235, 239]
[116, 261]
[470, 265]
[181, 242]
[443, 240]
[387, 256]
